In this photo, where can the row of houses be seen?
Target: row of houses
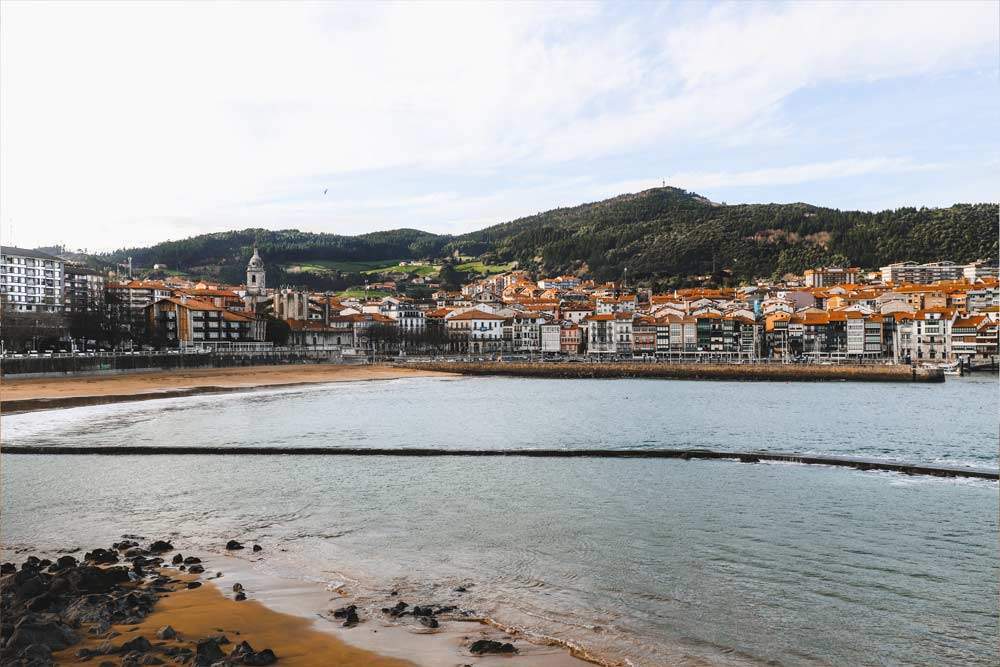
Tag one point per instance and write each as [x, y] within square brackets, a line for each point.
[832, 315]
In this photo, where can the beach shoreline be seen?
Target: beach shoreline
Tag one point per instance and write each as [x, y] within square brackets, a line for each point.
[221, 597]
[31, 394]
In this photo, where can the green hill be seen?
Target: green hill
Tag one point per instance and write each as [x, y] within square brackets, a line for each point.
[664, 236]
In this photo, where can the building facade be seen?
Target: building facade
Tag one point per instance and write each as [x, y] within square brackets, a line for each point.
[31, 281]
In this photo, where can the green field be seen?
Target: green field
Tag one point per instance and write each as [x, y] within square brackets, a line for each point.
[362, 293]
[421, 270]
[481, 269]
[326, 265]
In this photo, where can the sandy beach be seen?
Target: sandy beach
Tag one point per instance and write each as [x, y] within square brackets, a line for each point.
[26, 394]
[130, 606]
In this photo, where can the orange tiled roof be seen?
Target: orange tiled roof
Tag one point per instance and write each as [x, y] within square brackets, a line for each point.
[476, 315]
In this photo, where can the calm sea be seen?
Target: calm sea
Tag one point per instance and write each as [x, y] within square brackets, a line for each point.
[654, 562]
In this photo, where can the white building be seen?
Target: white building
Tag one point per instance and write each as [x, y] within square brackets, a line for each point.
[407, 315]
[31, 280]
[476, 331]
[551, 337]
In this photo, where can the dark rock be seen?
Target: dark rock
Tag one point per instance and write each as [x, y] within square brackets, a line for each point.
[182, 568]
[41, 602]
[150, 659]
[352, 618]
[28, 585]
[207, 652]
[8, 568]
[159, 546]
[484, 646]
[45, 562]
[220, 639]
[87, 579]
[166, 632]
[344, 611]
[240, 596]
[34, 629]
[65, 562]
[428, 621]
[191, 560]
[749, 458]
[194, 584]
[460, 589]
[237, 587]
[101, 557]
[196, 569]
[257, 547]
[422, 611]
[34, 655]
[177, 559]
[233, 545]
[241, 649]
[265, 657]
[445, 610]
[85, 653]
[140, 644]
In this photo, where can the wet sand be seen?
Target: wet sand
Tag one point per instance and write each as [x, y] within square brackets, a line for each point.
[300, 638]
[27, 394]
[205, 612]
[402, 639]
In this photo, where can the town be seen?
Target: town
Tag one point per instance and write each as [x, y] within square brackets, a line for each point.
[938, 313]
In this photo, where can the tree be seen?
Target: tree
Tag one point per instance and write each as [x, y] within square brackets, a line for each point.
[276, 331]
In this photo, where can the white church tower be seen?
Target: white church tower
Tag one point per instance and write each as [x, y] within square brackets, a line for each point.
[255, 275]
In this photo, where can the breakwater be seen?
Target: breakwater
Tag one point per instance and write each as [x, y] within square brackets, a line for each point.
[680, 371]
[683, 454]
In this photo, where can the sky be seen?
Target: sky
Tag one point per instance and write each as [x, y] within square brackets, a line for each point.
[123, 124]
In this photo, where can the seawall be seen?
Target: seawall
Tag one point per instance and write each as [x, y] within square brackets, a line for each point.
[675, 371]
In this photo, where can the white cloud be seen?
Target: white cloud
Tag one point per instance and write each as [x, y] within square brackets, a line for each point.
[132, 122]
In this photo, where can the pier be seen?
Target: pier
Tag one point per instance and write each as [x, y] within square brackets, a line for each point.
[759, 372]
[863, 464]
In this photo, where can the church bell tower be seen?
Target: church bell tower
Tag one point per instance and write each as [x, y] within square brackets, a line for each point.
[255, 275]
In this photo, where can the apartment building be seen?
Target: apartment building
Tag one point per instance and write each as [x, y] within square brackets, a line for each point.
[831, 275]
[185, 320]
[31, 281]
[911, 272]
[84, 289]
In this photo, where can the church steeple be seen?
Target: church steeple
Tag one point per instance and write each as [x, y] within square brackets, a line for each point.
[256, 277]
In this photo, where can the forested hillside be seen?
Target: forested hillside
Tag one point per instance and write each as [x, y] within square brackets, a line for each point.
[664, 236]
[669, 234]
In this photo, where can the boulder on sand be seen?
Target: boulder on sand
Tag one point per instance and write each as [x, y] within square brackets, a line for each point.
[485, 646]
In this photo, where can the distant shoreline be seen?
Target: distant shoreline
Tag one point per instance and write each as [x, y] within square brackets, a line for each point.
[19, 395]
